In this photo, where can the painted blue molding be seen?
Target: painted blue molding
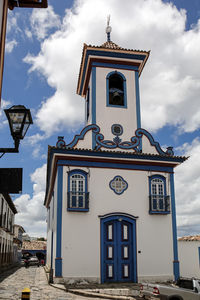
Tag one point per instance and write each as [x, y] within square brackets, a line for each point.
[58, 260]
[112, 187]
[137, 94]
[174, 229]
[114, 165]
[134, 142]
[114, 66]
[104, 53]
[140, 132]
[79, 137]
[93, 104]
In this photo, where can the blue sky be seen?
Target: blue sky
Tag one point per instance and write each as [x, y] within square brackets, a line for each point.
[43, 52]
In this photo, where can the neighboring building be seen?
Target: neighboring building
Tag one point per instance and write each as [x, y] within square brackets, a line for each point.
[7, 215]
[26, 237]
[110, 193]
[17, 242]
[189, 256]
[36, 248]
[18, 233]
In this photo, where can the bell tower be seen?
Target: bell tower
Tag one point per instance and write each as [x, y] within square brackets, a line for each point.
[109, 82]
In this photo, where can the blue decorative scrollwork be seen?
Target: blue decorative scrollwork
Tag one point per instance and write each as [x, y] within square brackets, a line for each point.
[134, 143]
[140, 132]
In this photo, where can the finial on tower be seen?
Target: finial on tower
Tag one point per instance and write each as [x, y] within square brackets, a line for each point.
[108, 28]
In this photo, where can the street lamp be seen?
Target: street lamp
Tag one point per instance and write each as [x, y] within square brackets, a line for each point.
[19, 119]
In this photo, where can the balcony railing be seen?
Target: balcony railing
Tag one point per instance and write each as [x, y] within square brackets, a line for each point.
[159, 204]
[77, 201]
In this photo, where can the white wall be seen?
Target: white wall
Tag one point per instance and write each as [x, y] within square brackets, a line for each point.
[81, 230]
[51, 226]
[189, 258]
[112, 115]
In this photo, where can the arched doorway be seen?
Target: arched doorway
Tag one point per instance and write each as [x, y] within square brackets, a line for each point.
[118, 248]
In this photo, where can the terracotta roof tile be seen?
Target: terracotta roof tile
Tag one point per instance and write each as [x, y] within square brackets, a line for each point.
[34, 245]
[190, 238]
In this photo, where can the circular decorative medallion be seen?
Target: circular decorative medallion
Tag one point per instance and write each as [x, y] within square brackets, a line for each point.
[118, 185]
[117, 129]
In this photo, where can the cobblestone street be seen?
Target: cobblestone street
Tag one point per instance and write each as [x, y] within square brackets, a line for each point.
[13, 282]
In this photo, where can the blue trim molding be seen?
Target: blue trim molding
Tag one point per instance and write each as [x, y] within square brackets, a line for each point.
[114, 66]
[114, 165]
[174, 229]
[199, 255]
[58, 260]
[98, 141]
[137, 94]
[113, 186]
[93, 104]
[124, 89]
[103, 53]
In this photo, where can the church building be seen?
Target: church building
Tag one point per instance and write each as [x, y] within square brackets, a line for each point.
[110, 193]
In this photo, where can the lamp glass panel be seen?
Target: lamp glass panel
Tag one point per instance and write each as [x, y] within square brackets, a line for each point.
[16, 120]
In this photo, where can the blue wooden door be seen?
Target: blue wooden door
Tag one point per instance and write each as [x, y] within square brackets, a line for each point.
[118, 250]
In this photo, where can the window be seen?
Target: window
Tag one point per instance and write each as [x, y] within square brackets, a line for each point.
[116, 89]
[159, 201]
[78, 196]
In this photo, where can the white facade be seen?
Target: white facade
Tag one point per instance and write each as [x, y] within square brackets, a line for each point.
[189, 256]
[87, 227]
[110, 192]
[7, 214]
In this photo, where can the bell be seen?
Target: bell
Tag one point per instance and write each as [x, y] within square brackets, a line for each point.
[117, 99]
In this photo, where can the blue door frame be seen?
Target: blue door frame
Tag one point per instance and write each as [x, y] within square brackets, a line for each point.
[118, 248]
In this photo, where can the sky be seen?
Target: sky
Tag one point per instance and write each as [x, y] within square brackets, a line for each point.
[42, 59]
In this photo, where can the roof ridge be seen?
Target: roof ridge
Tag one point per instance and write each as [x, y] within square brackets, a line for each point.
[110, 45]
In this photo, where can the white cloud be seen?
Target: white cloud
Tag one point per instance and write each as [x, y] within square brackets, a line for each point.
[34, 139]
[170, 84]
[12, 25]
[10, 46]
[42, 21]
[31, 211]
[187, 179]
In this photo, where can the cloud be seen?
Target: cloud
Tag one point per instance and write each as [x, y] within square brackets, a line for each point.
[187, 183]
[170, 84]
[31, 212]
[42, 21]
[12, 25]
[10, 46]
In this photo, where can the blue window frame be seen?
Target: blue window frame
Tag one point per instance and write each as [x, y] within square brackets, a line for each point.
[158, 199]
[78, 196]
[116, 90]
